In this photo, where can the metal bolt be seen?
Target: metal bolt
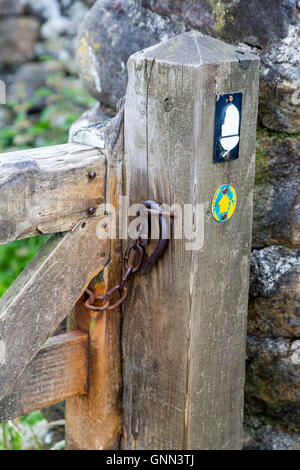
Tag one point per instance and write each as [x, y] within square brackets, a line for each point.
[91, 210]
[227, 155]
[224, 216]
[92, 174]
[230, 98]
[225, 191]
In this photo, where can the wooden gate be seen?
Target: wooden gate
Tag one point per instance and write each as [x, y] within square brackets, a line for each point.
[168, 371]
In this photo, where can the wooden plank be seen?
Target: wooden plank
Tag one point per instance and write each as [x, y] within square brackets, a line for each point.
[48, 190]
[44, 293]
[184, 324]
[57, 372]
[94, 421]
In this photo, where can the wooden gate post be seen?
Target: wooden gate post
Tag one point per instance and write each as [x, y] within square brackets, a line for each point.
[184, 325]
[93, 421]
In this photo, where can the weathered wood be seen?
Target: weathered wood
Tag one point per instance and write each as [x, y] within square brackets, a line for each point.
[94, 421]
[48, 190]
[184, 324]
[44, 293]
[57, 372]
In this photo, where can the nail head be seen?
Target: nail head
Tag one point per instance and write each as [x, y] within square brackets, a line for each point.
[92, 174]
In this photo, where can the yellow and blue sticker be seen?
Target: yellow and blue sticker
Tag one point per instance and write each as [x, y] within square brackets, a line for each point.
[223, 203]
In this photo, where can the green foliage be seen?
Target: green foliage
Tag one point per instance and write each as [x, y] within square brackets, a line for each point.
[14, 257]
[37, 123]
[45, 118]
[18, 434]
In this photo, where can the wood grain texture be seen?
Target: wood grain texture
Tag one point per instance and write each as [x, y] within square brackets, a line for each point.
[57, 372]
[184, 325]
[44, 293]
[94, 421]
[47, 190]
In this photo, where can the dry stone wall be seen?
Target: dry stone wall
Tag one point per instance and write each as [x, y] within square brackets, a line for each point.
[113, 30]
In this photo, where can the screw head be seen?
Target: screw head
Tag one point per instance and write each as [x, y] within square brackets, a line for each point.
[92, 174]
[230, 98]
[224, 216]
[227, 155]
[91, 210]
[225, 191]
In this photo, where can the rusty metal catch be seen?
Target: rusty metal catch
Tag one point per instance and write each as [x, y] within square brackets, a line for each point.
[137, 246]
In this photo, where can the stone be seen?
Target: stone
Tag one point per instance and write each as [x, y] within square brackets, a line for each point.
[43, 9]
[272, 388]
[110, 33]
[268, 266]
[55, 416]
[251, 21]
[76, 12]
[262, 436]
[59, 48]
[197, 14]
[276, 215]
[279, 105]
[92, 116]
[278, 314]
[59, 18]
[29, 78]
[274, 292]
[17, 40]
[55, 26]
[11, 7]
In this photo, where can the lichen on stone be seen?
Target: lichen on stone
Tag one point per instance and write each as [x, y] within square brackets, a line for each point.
[267, 266]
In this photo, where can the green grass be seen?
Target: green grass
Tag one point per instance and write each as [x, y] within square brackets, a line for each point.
[21, 433]
[64, 101]
[14, 257]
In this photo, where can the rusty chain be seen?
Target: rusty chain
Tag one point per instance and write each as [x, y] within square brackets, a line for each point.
[138, 246]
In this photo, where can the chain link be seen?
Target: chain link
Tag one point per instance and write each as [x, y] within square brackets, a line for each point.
[137, 246]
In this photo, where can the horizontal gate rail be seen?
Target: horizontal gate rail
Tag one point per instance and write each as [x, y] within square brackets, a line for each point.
[48, 190]
[57, 372]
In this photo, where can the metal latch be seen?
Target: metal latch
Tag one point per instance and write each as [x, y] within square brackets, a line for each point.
[141, 240]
